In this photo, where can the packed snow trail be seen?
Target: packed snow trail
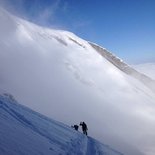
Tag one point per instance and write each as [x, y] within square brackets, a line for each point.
[24, 131]
[96, 148]
[90, 147]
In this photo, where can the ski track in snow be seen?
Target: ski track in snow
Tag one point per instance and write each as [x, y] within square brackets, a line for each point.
[91, 150]
[58, 138]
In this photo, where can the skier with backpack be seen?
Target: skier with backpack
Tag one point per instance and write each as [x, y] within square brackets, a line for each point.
[75, 127]
[84, 127]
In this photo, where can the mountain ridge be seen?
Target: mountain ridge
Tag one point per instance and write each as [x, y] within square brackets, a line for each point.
[31, 125]
[149, 82]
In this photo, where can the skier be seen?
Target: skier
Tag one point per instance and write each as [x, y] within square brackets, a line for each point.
[84, 127]
[75, 127]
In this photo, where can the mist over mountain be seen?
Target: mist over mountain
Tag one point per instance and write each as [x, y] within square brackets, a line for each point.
[69, 79]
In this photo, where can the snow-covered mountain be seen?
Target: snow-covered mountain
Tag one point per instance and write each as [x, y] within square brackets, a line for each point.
[146, 80]
[64, 77]
[24, 131]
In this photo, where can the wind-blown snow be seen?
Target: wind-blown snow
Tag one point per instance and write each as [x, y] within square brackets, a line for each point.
[60, 75]
[24, 131]
[146, 80]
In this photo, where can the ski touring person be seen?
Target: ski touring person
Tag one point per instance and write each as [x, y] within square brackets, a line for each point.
[76, 127]
[84, 127]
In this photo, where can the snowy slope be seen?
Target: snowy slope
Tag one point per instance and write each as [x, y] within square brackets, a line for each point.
[141, 76]
[62, 76]
[24, 131]
[147, 68]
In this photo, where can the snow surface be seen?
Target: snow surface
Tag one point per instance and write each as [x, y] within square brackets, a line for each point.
[61, 76]
[25, 132]
[116, 61]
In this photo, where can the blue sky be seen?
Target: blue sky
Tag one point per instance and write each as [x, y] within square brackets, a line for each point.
[124, 27]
